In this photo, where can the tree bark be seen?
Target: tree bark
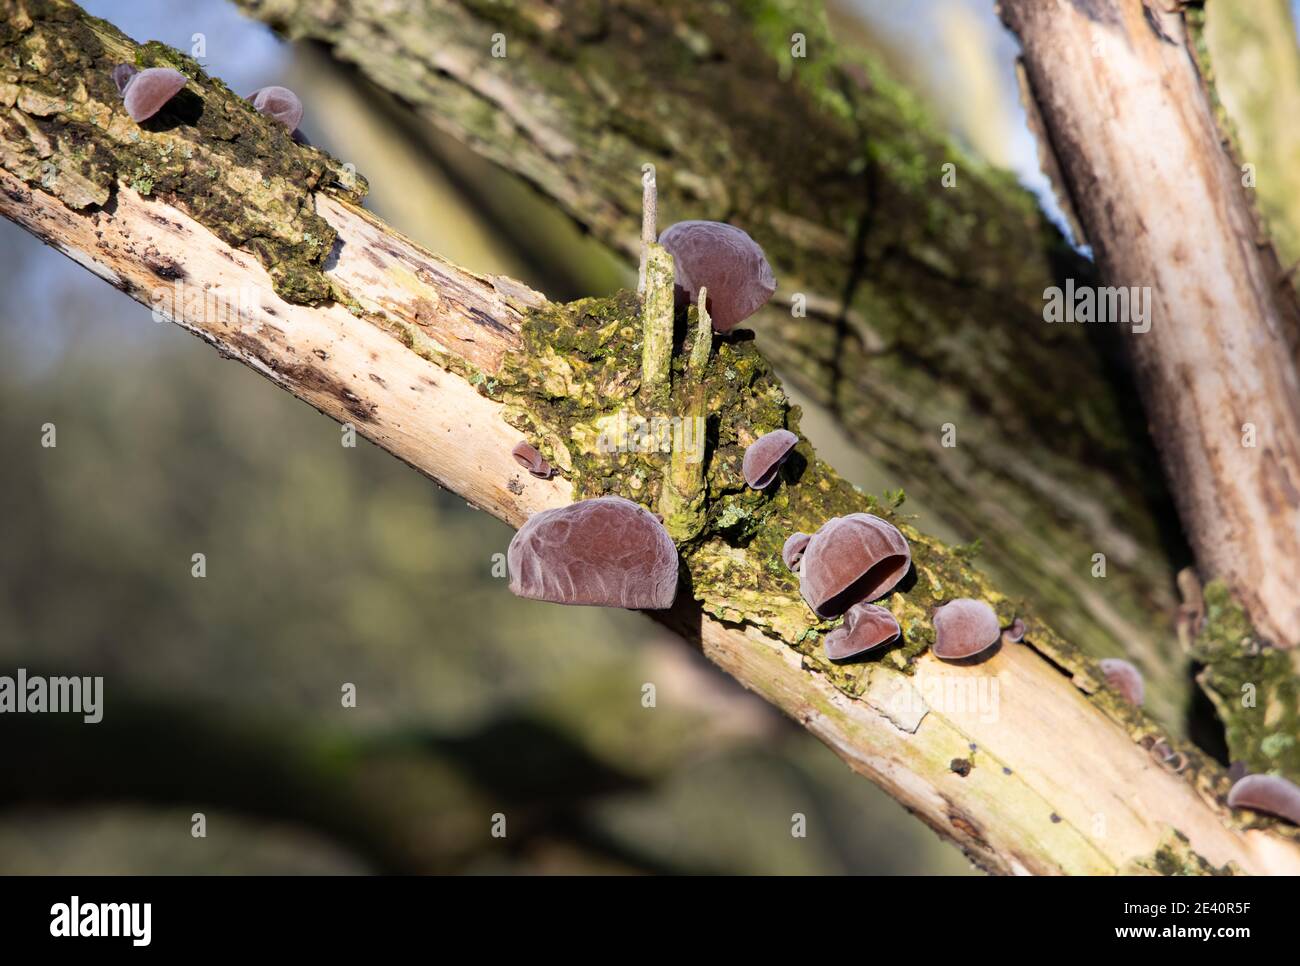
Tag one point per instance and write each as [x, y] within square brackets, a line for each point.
[1046, 772]
[1141, 150]
[923, 303]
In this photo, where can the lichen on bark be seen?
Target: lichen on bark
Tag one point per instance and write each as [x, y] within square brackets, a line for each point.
[1255, 688]
[208, 152]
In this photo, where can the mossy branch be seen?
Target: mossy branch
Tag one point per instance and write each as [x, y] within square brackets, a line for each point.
[903, 305]
[438, 366]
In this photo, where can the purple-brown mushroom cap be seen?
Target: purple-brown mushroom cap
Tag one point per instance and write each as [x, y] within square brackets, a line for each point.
[763, 457]
[865, 626]
[724, 259]
[964, 628]
[605, 552]
[526, 455]
[1124, 678]
[122, 75]
[1014, 632]
[792, 551]
[852, 558]
[279, 103]
[1267, 793]
[145, 92]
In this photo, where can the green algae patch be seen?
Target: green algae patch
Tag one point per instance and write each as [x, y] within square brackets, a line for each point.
[208, 152]
[1255, 688]
[1175, 856]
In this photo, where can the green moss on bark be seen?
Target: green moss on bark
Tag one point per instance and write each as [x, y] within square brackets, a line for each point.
[1175, 856]
[208, 152]
[1255, 688]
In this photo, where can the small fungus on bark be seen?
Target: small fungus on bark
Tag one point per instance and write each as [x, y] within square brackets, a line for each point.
[1267, 793]
[1124, 678]
[279, 103]
[726, 261]
[526, 455]
[865, 626]
[792, 552]
[964, 628]
[764, 457]
[144, 92]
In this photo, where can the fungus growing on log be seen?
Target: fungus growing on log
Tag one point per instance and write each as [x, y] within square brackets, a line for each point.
[604, 552]
[850, 559]
[1124, 678]
[724, 259]
[964, 628]
[144, 92]
[865, 626]
[279, 103]
[764, 457]
[1267, 793]
[526, 455]
[792, 551]
[1014, 633]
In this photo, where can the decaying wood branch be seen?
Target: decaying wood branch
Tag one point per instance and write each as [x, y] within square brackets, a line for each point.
[1134, 129]
[1049, 772]
[903, 304]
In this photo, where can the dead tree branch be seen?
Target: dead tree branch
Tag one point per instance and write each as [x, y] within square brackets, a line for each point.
[904, 304]
[1050, 774]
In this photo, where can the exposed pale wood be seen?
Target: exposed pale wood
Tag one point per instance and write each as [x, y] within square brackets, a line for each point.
[1068, 761]
[1136, 134]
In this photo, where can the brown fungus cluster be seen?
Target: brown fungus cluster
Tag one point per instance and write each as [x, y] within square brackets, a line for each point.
[603, 552]
[964, 628]
[849, 562]
[144, 92]
[850, 559]
[726, 261]
[765, 456]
